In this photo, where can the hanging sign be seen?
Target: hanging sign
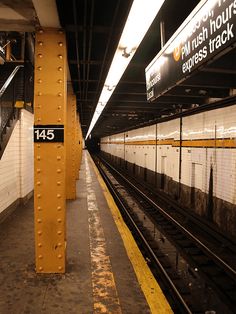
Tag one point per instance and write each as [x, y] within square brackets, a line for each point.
[209, 29]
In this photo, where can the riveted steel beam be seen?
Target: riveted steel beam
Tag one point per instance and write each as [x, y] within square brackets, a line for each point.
[80, 142]
[49, 150]
[70, 147]
[77, 148]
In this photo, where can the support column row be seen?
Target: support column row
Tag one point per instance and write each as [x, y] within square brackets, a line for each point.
[71, 168]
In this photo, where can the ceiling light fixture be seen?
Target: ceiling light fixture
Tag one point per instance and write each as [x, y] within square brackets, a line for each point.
[141, 16]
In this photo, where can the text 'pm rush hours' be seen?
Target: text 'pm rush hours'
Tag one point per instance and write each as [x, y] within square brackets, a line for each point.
[210, 30]
[49, 133]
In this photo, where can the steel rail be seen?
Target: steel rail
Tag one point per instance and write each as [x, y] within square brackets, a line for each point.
[147, 246]
[220, 262]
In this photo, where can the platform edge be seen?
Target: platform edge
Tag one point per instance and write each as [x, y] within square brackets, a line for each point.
[154, 296]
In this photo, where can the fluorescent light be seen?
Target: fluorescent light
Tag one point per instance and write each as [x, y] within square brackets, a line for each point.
[141, 16]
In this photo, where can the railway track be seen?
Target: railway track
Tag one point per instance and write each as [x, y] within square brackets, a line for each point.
[195, 278]
[203, 230]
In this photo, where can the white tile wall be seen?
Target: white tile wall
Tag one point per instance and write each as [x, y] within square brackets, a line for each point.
[141, 155]
[16, 164]
[168, 156]
[104, 146]
[196, 162]
[26, 150]
[168, 130]
[9, 170]
[224, 170]
[117, 145]
[219, 123]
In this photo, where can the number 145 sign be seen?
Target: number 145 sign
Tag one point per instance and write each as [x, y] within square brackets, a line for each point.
[49, 133]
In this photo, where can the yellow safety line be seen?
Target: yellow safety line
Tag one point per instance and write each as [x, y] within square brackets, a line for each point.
[151, 289]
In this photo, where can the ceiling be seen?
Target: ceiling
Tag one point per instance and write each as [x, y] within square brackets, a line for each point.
[93, 29]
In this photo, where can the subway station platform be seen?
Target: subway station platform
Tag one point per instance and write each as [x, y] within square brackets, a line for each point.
[105, 272]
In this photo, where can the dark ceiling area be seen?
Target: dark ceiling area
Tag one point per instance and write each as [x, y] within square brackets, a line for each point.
[93, 29]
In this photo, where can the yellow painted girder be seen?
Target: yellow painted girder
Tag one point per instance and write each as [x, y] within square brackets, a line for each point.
[70, 148]
[50, 109]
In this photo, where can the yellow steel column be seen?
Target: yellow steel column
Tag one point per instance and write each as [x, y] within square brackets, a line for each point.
[77, 148]
[49, 150]
[80, 143]
[78, 152]
[70, 147]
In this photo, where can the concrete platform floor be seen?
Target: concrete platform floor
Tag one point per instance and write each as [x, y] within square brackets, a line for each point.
[92, 284]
